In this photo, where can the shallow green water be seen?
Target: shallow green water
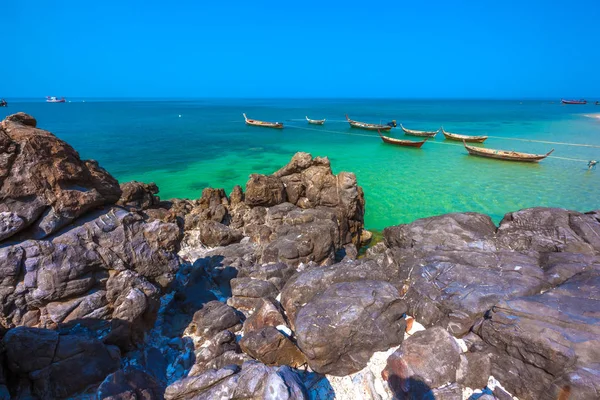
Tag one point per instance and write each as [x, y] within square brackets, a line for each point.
[209, 145]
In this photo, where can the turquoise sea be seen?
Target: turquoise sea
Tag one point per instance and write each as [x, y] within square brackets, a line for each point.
[187, 145]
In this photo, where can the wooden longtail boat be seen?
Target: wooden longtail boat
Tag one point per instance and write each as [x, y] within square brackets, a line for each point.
[412, 132]
[464, 138]
[370, 127]
[505, 154]
[582, 101]
[315, 121]
[254, 122]
[400, 142]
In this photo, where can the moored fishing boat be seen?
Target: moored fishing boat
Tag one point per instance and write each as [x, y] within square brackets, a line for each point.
[54, 99]
[505, 154]
[413, 132]
[400, 142]
[3, 103]
[315, 121]
[254, 122]
[581, 101]
[370, 127]
[464, 138]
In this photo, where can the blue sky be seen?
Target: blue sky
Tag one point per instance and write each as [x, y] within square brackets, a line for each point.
[400, 49]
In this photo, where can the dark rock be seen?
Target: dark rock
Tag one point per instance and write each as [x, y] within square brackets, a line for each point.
[264, 190]
[501, 394]
[213, 318]
[474, 370]
[272, 347]
[455, 288]
[113, 266]
[431, 356]
[549, 230]
[132, 384]
[213, 384]
[284, 384]
[548, 343]
[214, 234]
[138, 195]
[458, 231]
[252, 380]
[339, 329]
[248, 287]
[228, 358]
[302, 287]
[276, 273]
[448, 392]
[44, 184]
[268, 313]
[58, 365]
[217, 345]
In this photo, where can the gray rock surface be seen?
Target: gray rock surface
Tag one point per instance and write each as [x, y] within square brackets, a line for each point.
[339, 329]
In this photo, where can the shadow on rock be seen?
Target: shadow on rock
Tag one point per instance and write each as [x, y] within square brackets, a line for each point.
[410, 389]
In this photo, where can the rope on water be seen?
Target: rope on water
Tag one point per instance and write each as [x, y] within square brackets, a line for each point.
[547, 142]
[328, 131]
[569, 159]
[429, 141]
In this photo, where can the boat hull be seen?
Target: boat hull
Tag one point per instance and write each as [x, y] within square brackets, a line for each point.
[411, 132]
[464, 138]
[506, 155]
[262, 124]
[573, 102]
[315, 121]
[368, 127]
[400, 142]
[265, 124]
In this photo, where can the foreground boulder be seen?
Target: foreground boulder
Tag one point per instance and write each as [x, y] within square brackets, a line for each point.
[114, 266]
[55, 366]
[425, 361]
[44, 185]
[548, 344]
[252, 381]
[340, 329]
[455, 267]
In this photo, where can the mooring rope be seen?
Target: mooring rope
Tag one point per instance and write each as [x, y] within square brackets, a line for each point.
[432, 141]
[547, 142]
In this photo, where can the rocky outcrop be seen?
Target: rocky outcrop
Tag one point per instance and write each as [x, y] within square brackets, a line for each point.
[138, 195]
[300, 214]
[44, 185]
[113, 267]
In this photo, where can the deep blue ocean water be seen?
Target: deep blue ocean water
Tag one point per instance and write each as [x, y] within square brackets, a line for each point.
[187, 145]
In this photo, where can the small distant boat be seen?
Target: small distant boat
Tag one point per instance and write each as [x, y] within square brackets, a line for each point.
[598, 103]
[315, 121]
[464, 138]
[254, 122]
[505, 154]
[412, 132]
[370, 127]
[52, 99]
[400, 142]
[582, 101]
[3, 103]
